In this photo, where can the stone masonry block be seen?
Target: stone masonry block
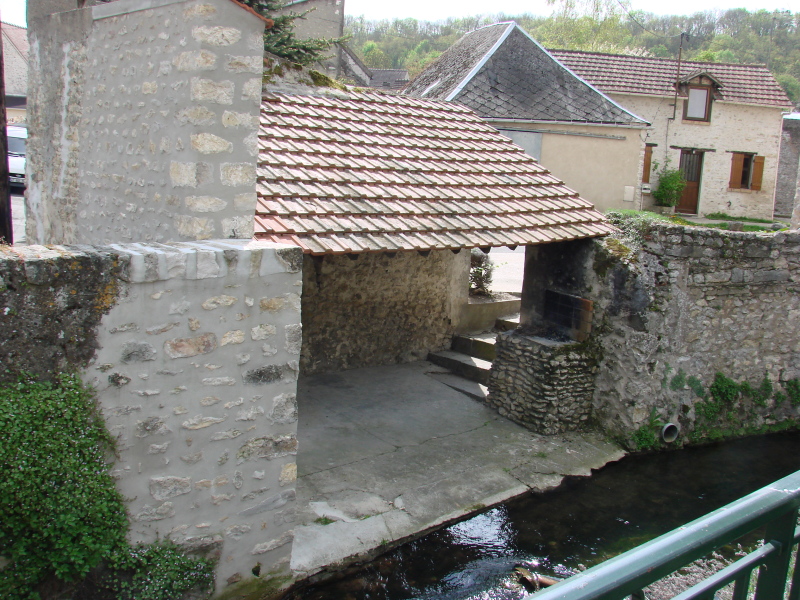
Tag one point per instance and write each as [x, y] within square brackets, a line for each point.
[245, 64]
[238, 174]
[208, 143]
[238, 119]
[217, 92]
[202, 60]
[196, 115]
[187, 347]
[183, 174]
[216, 35]
[204, 204]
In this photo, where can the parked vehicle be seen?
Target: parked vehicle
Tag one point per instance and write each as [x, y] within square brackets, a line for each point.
[17, 137]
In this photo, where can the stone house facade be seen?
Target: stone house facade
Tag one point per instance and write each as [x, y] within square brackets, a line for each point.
[15, 69]
[585, 138]
[788, 167]
[720, 124]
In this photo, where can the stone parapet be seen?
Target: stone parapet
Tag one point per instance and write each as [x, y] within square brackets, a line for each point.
[193, 350]
[543, 384]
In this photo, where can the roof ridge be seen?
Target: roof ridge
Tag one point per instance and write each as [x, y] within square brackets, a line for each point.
[510, 26]
[657, 58]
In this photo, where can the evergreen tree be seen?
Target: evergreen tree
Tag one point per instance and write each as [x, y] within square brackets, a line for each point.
[279, 38]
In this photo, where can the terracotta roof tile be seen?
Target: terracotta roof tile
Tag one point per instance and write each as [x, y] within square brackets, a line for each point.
[615, 73]
[387, 173]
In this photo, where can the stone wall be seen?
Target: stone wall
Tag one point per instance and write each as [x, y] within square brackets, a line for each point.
[543, 384]
[144, 121]
[788, 168]
[193, 350]
[379, 308]
[696, 302]
[693, 309]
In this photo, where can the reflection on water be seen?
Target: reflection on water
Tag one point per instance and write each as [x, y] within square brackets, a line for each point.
[583, 522]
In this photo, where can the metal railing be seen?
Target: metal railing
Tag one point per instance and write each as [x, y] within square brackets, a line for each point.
[774, 507]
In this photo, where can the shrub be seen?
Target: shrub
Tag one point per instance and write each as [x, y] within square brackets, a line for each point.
[670, 186]
[480, 272]
[61, 512]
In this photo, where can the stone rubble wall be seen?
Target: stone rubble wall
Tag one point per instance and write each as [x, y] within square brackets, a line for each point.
[692, 303]
[544, 385]
[193, 349]
[144, 122]
[696, 302]
[379, 308]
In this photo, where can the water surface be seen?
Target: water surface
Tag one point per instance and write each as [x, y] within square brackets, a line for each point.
[583, 522]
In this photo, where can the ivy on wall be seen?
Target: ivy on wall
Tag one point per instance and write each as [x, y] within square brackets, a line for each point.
[61, 514]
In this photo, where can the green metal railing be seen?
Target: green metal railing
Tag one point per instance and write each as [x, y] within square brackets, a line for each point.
[774, 507]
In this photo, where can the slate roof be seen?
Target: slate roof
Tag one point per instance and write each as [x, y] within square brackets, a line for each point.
[614, 73]
[502, 73]
[361, 172]
[392, 79]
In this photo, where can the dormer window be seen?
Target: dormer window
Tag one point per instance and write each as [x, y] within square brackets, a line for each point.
[699, 88]
[698, 104]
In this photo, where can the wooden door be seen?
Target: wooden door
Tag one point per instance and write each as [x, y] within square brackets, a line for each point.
[692, 167]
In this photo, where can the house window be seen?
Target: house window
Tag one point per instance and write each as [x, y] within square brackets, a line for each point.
[747, 170]
[698, 105]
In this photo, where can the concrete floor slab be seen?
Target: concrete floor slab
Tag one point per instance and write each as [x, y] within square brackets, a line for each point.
[387, 454]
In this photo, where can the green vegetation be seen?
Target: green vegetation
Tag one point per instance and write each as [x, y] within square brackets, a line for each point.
[670, 185]
[481, 269]
[323, 521]
[62, 515]
[721, 216]
[647, 436]
[279, 38]
[730, 36]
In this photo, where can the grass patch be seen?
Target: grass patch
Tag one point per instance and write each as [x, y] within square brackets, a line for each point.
[721, 216]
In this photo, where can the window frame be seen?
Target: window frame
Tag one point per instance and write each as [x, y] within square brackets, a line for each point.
[709, 96]
[750, 164]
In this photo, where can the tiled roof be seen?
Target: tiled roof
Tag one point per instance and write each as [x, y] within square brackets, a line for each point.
[614, 73]
[363, 172]
[501, 72]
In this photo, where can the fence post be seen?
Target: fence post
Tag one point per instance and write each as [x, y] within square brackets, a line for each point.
[774, 573]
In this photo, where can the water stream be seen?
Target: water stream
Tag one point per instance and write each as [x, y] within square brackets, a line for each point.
[583, 522]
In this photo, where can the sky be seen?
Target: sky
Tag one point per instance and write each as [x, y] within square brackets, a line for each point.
[13, 11]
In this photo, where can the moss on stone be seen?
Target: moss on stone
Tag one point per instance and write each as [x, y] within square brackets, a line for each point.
[322, 80]
[269, 587]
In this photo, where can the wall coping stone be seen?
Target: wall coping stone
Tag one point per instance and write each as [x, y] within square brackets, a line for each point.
[143, 262]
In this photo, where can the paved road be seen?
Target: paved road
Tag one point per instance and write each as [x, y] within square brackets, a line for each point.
[507, 276]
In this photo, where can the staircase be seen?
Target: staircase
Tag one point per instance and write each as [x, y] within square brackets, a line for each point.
[469, 360]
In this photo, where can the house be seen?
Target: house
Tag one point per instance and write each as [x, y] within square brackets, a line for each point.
[15, 65]
[355, 72]
[785, 194]
[719, 123]
[585, 138]
[164, 125]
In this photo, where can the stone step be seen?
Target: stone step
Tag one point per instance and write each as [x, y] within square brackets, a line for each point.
[480, 345]
[473, 389]
[507, 323]
[474, 369]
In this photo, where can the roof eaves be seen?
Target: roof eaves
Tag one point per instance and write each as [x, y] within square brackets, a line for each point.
[479, 65]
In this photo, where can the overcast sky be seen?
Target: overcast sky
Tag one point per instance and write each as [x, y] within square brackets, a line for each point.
[13, 11]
